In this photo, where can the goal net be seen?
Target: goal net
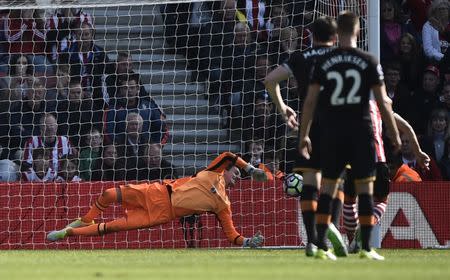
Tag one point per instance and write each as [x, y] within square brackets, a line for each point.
[96, 92]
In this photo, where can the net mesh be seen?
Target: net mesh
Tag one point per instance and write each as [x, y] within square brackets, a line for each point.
[126, 90]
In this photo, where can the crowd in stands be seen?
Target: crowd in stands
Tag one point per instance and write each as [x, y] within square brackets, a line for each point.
[69, 113]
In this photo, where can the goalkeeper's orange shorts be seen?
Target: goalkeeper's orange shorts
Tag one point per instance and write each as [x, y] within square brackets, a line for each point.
[147, 204]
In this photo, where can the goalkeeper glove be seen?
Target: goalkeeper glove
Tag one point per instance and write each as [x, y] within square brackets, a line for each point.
[254, 242]
[256, 173]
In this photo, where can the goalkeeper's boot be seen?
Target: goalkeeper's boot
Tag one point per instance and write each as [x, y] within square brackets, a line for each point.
[371, 255]
[325, 255]
[79, 223]
[57, 235]
[335, 237]
[310, 250]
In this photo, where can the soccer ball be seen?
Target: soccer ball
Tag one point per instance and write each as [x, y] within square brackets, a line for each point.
[293, 184]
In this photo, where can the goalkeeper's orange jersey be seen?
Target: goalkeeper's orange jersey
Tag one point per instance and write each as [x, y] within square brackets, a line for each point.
[206, 192]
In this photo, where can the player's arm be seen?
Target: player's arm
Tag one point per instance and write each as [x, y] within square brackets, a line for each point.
[272, 83]
[227, 159]
[232, 235]
[385, 105]
[308, 110]
[405, 128]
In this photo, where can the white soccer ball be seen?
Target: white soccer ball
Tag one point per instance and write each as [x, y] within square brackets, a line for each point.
[293, 184]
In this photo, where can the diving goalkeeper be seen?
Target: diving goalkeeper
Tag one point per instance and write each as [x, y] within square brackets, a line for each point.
[155, 203]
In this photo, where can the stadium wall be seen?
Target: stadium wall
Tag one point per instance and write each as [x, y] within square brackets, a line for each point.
[418, 216]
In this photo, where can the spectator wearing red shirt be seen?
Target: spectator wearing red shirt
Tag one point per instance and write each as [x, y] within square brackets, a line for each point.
[25, 33]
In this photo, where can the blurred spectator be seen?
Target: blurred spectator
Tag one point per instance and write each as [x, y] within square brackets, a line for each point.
[90, 153]
[62, 81]
[400, 172]
[90, 62]
[62, 27]
[277, 22]
[424, 100]
[58, 146]
[20, 71]
[128, 100]
[123, 65]
[152, 166]
[25, 113]
[272, 164]
[289, 44]
[5, 122]
[418, 12]
[434, 43]
[391, 30]
[237, 59]
[108, 167]
[264, 123]
[3, 41]
[438, 130]
[396, 90]
[408, 157]
[41, 169]
[444, 164]
[129, 142]
[9, 171]
[76, 115]
[24, 30]
[214, 37]
[68, 171]
[256, 13]
[412, 61]
[254, 152]
[444, 98]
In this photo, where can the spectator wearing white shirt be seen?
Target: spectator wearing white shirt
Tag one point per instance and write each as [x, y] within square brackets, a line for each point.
[438, 21]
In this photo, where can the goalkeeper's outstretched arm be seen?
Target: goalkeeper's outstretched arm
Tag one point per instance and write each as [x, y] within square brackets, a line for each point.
[227, 159]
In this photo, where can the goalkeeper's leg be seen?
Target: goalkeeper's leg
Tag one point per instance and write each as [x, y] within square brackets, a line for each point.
[137, 218]
[85, 225]
[108, 197]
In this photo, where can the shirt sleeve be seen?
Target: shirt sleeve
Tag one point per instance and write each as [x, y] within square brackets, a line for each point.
[228, 228]
[225, 161]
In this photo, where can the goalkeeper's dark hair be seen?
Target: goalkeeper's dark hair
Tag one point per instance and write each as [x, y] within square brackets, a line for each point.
[324, 29]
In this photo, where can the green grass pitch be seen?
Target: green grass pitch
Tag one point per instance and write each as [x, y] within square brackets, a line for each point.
[218, 264]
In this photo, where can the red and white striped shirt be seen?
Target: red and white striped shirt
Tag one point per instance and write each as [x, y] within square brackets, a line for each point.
[61, 148]
[59, 21]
